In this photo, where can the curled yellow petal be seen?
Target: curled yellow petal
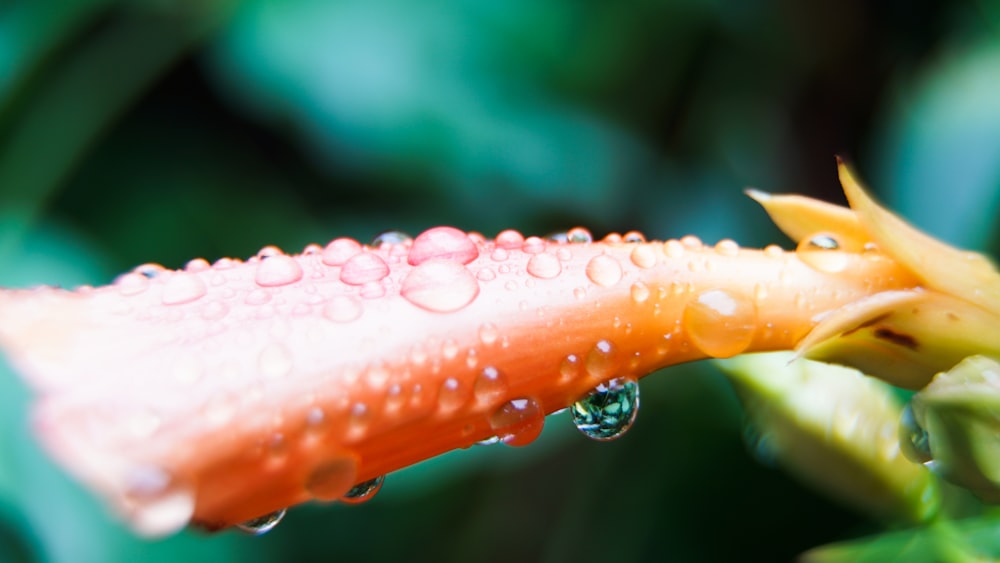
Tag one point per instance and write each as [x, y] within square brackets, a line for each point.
[800, 217]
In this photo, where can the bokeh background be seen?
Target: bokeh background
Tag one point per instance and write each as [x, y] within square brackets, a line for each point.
[137, 131]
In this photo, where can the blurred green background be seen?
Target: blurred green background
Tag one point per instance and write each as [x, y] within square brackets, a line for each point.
[137, 131]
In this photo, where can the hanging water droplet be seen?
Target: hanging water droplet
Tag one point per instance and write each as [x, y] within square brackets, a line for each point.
[608, 411]
[440, 286]
[445, 243]
[262, 524]
[604, 270]
[518, 422]
[720, 323]
[390, 237]
[363, 492]
[913, 438]
[544, 266]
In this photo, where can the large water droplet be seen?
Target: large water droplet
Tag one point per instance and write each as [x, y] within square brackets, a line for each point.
[183, 287]
[158, 503]
[440, 286]
[544, 266]
[820, 252]
[330, 480]
[445, 243]
[279, 269]
[364, 268]
[608, 411]
[262, 524]
[391, 237]
[363, 492]
[509, 239]
[913, 438]
[518, 422]
[340, 250]
[604, 270]
[490, 386]
[720, 323]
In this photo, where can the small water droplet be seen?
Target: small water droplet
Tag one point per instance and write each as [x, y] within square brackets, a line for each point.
[390, 237]
[331, 479]
[499, 254]
[720, 323]
[691, 242]
[509, 240]
[262, 524]
[913, 438]
[544, 266]
[643, 256]
[727, 247]
[518, 422]
[364, 491]
[773, 251]
[673, 249]
[608, 411]
[279, 269]
[486, 274]
[440, 286]
[604, 270]
[149, 270]
[534, 245]
[579, 235]
[603, 360]
[340, 250]
[131, 284]
[488, 333]
[633, 237]
[157, 502]
[363, 268]
[183, 287]
[819, 252]
[444, 243]
[490, 386]
[640, 292]
[569, 368]
[453, 394]
[342, 309]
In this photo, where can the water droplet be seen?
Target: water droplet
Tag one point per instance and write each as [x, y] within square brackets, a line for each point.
[486, 274]
[612, 238]
[691, 242]
[773, 251]
[364, 491]
[640, 292]
[559, 237]
[604, 270]
[608, 411]
[569, 368]
[673, 249]
[643, 256]
[509, 240]
[440, 286]
[499, 254]
[488, 333]
[269, 251]
[131, 284]
[453, 394]
[603, 360]
[633, 237]
[340, 250]
[391, 237]
[363, 268]
[913, 438]
[544, 266]
[720, 323]
[579, 235]
[819, 252]
[490, 386]
[312, 249]
[279, 269]
[183, 287]
[330, 480]
[262, 524]
[149, 271]
[727, 247]
[157, 503]
[534, 245]
[257, 297]
[518, 422]
[342, 309]
[445, 243]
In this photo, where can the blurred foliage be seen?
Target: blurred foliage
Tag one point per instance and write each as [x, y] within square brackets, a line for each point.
[160, 130]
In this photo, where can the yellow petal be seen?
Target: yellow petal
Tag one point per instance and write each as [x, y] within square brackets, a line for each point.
[800, 217]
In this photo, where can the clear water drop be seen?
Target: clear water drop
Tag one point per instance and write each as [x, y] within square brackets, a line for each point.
[262, 524]
[720, 323]
[913, 438]
[544, 266]
[534, 245]
[131, 284]
[340, 250]
[602, 361]
[490, 386]
[604, 270]
[727, 247]
[364, 491]
[608, 411]
[444, 243]
[518, 422]
[633, 237]
[279, 269]
[640, 292]
[819, 252]
[643, 256]
[509, 240]
[183, 287]
[363, 268]
[149, 270]
[579, 235]
[390, 237]
[491, 441]
[453, 394]
[440, 286]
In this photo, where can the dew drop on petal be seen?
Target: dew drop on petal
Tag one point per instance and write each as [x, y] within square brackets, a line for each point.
[331, 479]
[214, 310]
[149, 270]
[445, 243]
[673, 249]
[727, 247]
[569, 368]
[518, 422]
[453, 394]
[391, 237]
[819, 253]
[604, 270]
[342, 309]
[608, 411]
[534, 245]
[158, 503]
[364, 491]
[262, 524]
[720, 323]
[579, 235]
[131, 283]
[559, 237]
[490, 386]
[257, 297]
[640, 292]
[488, 333]
[544, 266]
[602, 361]
[509, 240]
[183, 287]
[363, 268]
[440, 286]
[633, 237]
[279, 269]
[340, 250]
[643, 256]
